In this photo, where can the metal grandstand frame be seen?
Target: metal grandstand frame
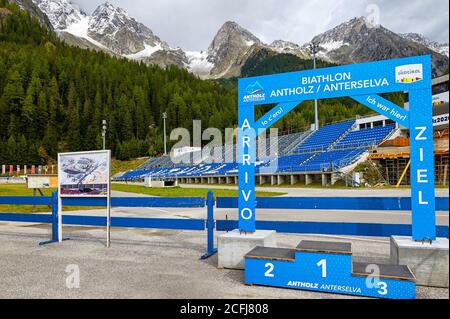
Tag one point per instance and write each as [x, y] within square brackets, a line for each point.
[363, 83]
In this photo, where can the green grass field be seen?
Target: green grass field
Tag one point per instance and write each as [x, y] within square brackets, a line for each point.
[123, 166]
[22, 190]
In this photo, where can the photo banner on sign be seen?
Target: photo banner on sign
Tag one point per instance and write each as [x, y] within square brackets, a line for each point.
[84, 174]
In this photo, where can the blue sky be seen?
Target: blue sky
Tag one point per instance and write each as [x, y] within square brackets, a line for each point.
[191, 24]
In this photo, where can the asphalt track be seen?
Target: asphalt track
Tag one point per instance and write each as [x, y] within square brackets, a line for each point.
[154, 263]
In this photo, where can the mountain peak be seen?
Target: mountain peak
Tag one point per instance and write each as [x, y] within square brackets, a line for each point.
[281, 44]
[229, 47]
[114, 28]
[61, 13]
[441, 48]
[106, 15]
[230, 23]
[231, 34]
[349, 33]
[107, 4]
[109, 9]
[231, 28]
[363, 20]
[360, 40]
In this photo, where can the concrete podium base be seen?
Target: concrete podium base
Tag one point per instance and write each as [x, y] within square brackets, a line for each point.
[233, 246]
[428, 262]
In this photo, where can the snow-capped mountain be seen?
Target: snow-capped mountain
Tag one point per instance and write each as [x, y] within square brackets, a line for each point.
[441, 48]
[111, 29]
[282, 46]
[358, 40]
[230, 48]
[116, 30]
[198, 63]
[61, 13]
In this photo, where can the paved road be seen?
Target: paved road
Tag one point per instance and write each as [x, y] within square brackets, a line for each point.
[126, 194]
[329, 192]
[383, 217]
[153, 263]
[144, 264]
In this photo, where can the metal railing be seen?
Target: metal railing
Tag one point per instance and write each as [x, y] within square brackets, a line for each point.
[132, 222]
[210, 224]
[331, 203]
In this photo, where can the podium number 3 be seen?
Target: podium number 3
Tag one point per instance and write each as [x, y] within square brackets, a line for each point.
[269, 270]
[323, 263]
[382, 288]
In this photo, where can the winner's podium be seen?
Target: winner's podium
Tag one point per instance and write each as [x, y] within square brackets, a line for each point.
[327, 267]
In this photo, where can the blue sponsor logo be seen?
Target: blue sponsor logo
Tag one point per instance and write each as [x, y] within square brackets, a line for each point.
[254, 93]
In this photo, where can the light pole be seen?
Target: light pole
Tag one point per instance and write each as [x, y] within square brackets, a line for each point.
[314, 48]
[104, 133]
[164, 116]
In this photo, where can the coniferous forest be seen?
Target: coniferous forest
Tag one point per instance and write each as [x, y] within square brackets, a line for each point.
[53, 98]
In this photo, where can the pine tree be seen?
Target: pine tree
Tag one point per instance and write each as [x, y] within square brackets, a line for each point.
[28, 111]
[11, 150]
[22, 150]
[73, 129]
[13, 92]
[41, 116]
[50, 140]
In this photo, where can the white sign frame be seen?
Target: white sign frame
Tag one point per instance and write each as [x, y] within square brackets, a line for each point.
[107, 195]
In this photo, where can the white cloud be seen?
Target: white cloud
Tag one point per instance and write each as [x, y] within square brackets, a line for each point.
[191, 24]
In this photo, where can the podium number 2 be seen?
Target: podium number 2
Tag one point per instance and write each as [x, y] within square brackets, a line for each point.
[269, 270]
[323, 263]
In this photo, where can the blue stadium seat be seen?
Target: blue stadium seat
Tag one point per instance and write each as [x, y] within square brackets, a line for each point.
[366, 137]
[324, 137]
[314, 153]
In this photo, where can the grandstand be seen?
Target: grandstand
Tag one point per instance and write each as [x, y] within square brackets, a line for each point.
[321, 139]
[307, 157]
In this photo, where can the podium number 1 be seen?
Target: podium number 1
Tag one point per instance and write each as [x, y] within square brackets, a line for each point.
[323, 263]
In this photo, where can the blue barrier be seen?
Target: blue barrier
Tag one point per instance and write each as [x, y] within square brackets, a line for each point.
[336, 203]
[132, 222]
[210, 226]
[26, 218]
[331, 228]
[135, 222]
[26, 200]
[167, 202]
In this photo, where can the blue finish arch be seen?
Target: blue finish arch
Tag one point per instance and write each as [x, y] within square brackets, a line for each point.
[362, 82]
